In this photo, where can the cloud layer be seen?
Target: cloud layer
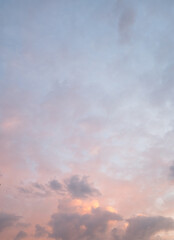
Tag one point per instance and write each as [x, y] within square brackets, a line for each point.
[7, 220]
[86, 120]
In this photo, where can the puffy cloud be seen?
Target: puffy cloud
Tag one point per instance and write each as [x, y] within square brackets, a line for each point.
[7, 220]
[21, 235]
[55, 185]
[82, 206]
[80, 188]
[144, 228]
[40, 231]
[75, 186]
[93, 225]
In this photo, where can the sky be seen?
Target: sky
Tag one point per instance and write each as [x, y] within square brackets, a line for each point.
[86, 120]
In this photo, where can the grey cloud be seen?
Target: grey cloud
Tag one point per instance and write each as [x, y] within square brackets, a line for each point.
[20, 235]
[55, 185]
[40, 231]
[40, 190]
[126, 21]
[115, 234]
[7, 220]
[23, 225]
[24, 190]
[80, 188]
[126, 12]
[144, 228]
[171, 172]
[34, 190]
[38, 186]
[74, 226]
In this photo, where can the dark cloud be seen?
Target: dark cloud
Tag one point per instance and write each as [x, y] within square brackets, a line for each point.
[7, 220]
[73, 226]
[38, 186]
[24, 190]
[55, 185]
[40, 231]
[126, 17]
[76, 186]
[80, 188]
[126, 21]
[144, 228]
[171, 172]
[34, 190]
[20, 235]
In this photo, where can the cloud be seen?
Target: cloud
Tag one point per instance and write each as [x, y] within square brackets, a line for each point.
[74, 226]
[34, 190]
[7, 220]
[40, 231]
[171, 173]
[55, 185]
[75, 186]
[24, 190]
[144, 228]
[38, 186]
[23, 225]
[80, 188]
[21, 235]
[74, 95]
[37, 189]
[127, 13]
[125, 23]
